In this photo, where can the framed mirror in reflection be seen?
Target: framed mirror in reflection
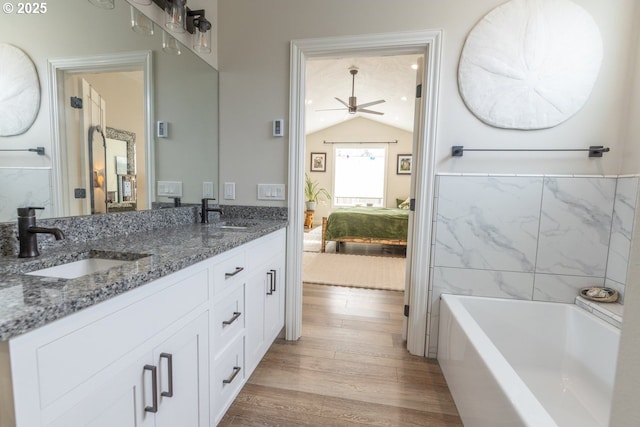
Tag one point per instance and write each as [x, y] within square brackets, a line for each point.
[180, 90]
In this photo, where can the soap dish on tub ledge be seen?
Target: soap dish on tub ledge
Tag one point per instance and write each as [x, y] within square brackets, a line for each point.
[599, 294]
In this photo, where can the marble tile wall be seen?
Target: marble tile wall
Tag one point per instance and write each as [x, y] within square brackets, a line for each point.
[24, 187]
[624, 209]
[529, 237]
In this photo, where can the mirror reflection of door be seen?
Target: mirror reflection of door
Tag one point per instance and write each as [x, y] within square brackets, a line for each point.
[115, 101]
[92, 121]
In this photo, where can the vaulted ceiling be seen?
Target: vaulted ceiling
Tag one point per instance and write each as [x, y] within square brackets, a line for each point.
[391, 78]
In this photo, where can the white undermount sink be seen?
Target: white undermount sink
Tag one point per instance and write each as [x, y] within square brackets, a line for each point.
[80, 268]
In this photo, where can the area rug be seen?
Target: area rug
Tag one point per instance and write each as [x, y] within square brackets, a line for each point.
[360, 271]
[312, 241]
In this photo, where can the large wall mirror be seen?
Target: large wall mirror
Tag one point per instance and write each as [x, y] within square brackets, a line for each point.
[68, 45]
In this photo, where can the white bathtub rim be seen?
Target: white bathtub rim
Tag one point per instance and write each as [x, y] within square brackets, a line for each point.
[524, 402]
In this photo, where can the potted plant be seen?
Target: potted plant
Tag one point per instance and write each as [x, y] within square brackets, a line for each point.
[313, 193]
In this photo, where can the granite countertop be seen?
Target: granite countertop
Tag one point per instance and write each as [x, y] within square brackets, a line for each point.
[28, 301]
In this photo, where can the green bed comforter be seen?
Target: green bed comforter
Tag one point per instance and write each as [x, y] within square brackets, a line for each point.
[367, 222]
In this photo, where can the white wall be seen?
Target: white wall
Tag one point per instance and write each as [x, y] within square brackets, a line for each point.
[625, 410]
[360, 129]
[254, 89]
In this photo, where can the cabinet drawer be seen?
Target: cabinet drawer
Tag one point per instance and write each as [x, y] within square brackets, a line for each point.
[268, 247]
[67, 362]
[228, 319]
[229, 272]
[228, 377]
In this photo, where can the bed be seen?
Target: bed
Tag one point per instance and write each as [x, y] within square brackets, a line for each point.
[385, 226]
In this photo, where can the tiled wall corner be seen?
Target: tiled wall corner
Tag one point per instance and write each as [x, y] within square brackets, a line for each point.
[529, 237]
[621, 231]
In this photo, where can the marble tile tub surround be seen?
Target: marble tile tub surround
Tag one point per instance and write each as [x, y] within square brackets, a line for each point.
[529, 237]
[83, 228]
[27, 301]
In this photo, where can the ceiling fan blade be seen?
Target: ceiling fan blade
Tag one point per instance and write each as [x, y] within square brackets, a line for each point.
[342, 102]
[333, 109]
[361, 110]
[369, 104]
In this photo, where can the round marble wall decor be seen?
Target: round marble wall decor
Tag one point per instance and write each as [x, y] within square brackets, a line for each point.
[530, 64]
[19, 91]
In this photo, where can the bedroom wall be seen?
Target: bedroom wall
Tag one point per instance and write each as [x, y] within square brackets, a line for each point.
[254, 86]
[360, 129]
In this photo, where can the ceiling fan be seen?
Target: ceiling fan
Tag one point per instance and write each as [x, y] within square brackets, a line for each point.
[352, 106]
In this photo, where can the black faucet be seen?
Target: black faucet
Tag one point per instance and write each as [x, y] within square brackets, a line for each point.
[205, 209]
[28, 232]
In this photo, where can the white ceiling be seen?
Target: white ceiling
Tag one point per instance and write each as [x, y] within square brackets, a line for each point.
[382, 77]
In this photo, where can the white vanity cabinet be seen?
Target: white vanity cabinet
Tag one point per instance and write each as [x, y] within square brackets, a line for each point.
[136, 359]
[236, 354]
[264, 297]
[174, 352]
[168, 393]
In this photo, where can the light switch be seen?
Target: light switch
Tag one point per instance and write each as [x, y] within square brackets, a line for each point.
[270, 191]
[170, 188]
[207, 189]
[229, 190]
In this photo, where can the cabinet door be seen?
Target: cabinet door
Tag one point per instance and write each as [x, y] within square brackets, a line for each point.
[120, 403]
[183, 376]
[274, 302]
[254, 319]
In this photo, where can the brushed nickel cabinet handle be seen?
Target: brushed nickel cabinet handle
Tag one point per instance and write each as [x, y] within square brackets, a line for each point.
[237, 270]
[235, 316]
[236, 371]
[154, 388]
[169, 357]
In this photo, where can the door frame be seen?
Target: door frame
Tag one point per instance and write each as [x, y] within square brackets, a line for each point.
[87, 64]
[428, 43]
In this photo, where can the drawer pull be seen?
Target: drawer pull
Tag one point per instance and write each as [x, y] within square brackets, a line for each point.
[236, 371]
[235, 316]
[274, 281]
[270, 274]
[238, 270]
[154, 388]
[169, 358]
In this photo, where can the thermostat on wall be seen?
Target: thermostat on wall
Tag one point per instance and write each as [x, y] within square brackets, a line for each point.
[162, 129]
[278, 127]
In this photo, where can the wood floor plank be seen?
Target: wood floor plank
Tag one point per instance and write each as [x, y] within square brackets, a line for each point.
[348, 335]
[350, 368]
[376, 415]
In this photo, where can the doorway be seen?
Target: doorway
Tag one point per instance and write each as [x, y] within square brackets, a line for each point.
[428, 44]
[63, 71]
[364, 164]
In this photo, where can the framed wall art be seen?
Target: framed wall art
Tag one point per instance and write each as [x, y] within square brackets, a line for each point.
[404, 164]
[318, 162]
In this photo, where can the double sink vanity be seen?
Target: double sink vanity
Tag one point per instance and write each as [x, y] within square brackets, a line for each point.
[154, 325]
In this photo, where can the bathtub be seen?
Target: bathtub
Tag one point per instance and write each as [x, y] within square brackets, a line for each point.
[518, 363]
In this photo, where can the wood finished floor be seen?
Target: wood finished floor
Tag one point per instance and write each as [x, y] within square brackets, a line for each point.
[349, 368]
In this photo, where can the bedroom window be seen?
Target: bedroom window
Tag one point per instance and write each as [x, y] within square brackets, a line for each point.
[359, 176]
